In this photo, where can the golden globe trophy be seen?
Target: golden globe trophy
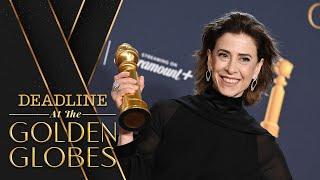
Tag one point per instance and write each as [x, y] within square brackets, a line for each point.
[283, 69]
[134, 111]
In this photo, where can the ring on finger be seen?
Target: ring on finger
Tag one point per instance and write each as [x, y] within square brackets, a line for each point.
[115, 86]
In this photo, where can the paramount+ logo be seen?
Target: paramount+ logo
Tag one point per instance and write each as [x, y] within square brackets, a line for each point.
[314, 15]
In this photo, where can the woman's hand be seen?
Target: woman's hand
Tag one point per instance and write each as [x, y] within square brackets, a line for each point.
[125, 85]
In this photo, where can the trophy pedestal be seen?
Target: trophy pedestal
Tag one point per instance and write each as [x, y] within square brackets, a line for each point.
[134, 114]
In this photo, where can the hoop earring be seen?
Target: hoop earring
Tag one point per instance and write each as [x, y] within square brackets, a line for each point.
[208, 75]
[253, 84]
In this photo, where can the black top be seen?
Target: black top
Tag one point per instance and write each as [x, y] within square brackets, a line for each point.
[199, 137]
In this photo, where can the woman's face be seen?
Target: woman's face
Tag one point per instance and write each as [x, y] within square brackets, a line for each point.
[234, 63]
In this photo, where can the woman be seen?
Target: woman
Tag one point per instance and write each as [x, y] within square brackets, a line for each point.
[210, 135]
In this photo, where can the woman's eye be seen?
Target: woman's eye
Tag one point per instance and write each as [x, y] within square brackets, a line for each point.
[245, 59]
[222, 55]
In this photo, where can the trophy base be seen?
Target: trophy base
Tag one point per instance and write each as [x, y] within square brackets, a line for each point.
[134, 119]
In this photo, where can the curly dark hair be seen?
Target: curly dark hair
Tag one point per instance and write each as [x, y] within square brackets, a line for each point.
[238, 22]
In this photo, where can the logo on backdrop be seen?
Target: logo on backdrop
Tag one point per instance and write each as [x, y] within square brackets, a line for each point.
[314, 15]
[163, 67]
[158, 65]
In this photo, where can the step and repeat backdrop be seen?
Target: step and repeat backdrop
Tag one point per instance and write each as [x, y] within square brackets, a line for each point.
[166, 34]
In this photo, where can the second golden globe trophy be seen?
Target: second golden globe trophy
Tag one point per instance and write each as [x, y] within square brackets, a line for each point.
[134, 112]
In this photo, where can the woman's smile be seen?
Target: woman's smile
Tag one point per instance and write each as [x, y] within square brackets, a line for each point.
[229, 81]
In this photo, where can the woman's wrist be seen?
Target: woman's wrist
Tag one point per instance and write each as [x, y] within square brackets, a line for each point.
[125, 138]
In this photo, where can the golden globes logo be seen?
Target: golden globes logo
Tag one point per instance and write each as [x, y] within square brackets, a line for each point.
[312, 14]
[92, 133]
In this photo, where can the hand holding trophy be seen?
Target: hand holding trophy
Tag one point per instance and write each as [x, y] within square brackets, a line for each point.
[126, 90]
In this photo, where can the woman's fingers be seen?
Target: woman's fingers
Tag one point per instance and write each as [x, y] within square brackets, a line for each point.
[126, 80]
[121, 75]
[124, 88]
[126, 85]
[127, 89]
[141, 82]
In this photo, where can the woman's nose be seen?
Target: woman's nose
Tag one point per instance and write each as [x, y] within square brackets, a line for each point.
[231, 67]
